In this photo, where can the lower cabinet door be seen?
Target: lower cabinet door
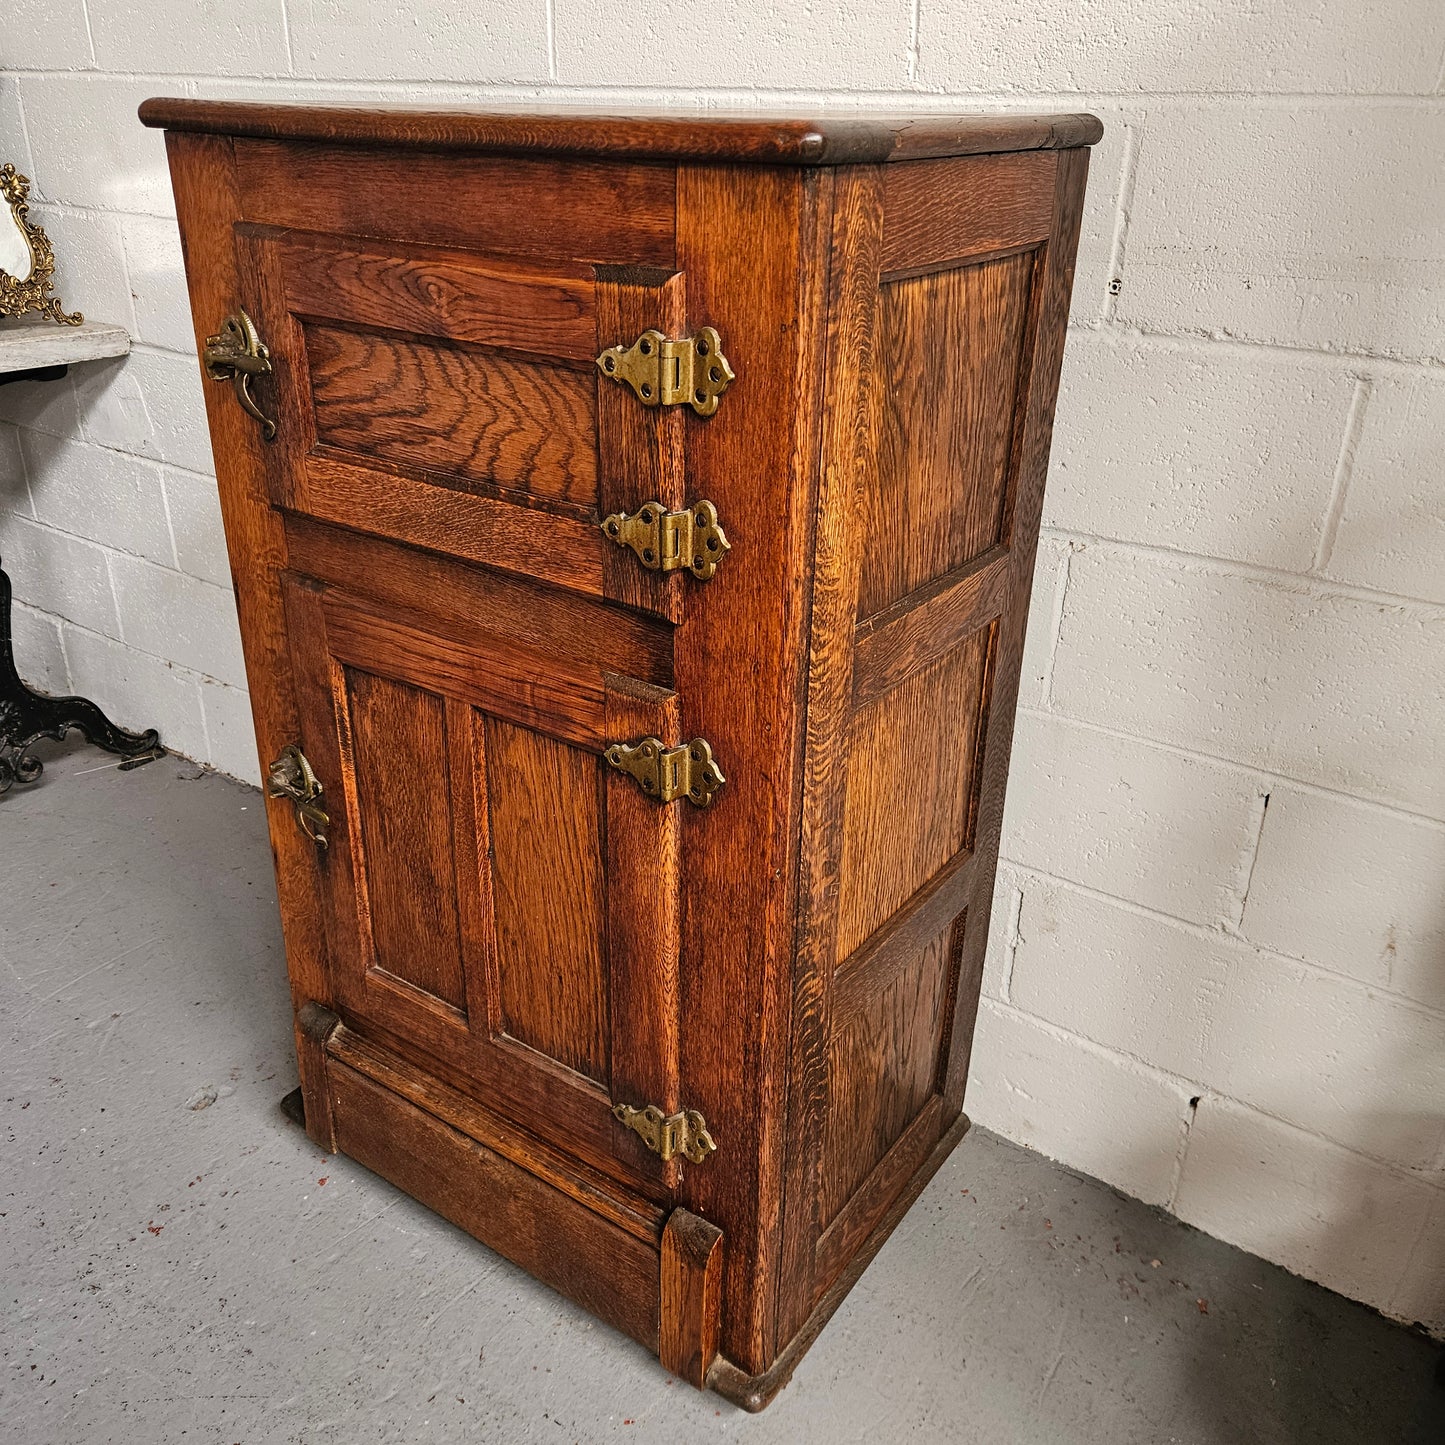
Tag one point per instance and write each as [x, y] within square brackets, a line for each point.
[501, 905]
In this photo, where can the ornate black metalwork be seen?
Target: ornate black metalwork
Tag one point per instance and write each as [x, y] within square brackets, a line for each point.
[26, 717]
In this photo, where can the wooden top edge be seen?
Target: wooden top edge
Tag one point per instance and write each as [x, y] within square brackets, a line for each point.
[706, 136]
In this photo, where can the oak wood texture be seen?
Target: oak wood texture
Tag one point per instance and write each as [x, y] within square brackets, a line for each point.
[576, 1251]
[708, 136]
[691, 1296]
[506, 937]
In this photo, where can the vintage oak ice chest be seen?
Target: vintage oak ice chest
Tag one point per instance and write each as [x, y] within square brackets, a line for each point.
[632, 522]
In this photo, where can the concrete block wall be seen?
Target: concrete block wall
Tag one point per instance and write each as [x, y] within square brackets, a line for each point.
[1217, 975]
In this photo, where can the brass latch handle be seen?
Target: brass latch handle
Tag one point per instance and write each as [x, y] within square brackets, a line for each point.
[290, 776]
[236, 353]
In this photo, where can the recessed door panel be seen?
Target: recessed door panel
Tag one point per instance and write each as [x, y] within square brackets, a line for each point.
[499, 902]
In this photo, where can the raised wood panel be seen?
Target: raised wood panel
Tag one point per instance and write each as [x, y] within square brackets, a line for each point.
[472, 420]
[452, 659]
[542, 310]
[912, 785]
[950, 348]
[424, 1087]
[505, 205]
[402, 844]
[546, 820]
[884, 1056]
[938, 212]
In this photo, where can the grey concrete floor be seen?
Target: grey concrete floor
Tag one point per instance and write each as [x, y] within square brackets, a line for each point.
[171, 1272]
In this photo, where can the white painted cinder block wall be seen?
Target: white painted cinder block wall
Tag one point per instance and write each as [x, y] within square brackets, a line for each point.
[1218, 972]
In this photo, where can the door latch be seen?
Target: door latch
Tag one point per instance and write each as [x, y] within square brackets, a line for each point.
[236, 353]
[290, 776]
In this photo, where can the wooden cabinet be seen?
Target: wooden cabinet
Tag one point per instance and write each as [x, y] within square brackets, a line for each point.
[688, 1061]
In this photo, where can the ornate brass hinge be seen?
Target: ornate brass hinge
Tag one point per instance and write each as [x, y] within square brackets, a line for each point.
[666, 541]
[670, 373]
[236, 353]
[668, 1135]
[667, 774]
[290, 776]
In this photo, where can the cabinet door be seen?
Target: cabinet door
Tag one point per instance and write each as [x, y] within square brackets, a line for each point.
[501, 904]
[451, 400]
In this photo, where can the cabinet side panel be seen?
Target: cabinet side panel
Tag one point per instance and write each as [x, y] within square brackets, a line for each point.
[898, 832]
[912, 693]
[951, 345]
[208, 204]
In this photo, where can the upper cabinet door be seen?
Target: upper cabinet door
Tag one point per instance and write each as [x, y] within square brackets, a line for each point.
[451, 400]
[501, 905]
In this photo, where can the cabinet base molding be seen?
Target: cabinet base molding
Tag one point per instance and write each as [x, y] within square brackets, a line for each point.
[757, 1392]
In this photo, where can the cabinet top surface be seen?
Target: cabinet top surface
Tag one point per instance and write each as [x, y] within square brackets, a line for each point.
[758, 138]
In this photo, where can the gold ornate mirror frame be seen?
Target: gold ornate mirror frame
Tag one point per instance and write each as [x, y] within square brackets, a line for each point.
[33, 292]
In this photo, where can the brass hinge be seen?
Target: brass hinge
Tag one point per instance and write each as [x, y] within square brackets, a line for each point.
[667, 774]
[666, 541]
[670, 373]
[668, 1135]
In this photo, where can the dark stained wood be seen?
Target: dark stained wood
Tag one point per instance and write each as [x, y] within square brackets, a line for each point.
[510, 828]
[406, 862]
[539, 619]
[691, 1296]
[953, 339]
[644, 918]
[446, 293]
[1055, 279]
[894, 644]
[640, 449]
[710, 135]
[747, 243]
[580, 1254]
[506, 937]
[558, 1168]
[560, 549]
[847, 467]
[937, 213]
[887, 1045]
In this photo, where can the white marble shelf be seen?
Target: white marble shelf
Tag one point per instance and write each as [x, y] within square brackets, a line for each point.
[27, 345]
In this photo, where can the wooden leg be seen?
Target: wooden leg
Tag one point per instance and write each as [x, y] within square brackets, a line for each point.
[314, 1025]
[691, 1296]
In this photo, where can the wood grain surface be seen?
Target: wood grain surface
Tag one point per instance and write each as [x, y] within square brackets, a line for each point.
[709, 136]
